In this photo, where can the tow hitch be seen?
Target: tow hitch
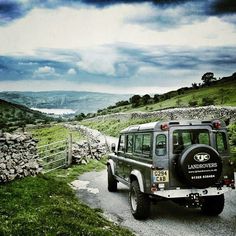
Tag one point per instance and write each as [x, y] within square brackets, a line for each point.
[193, 200]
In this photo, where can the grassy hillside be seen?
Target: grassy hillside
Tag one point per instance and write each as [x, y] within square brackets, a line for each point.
[221, 92]
[14, 115]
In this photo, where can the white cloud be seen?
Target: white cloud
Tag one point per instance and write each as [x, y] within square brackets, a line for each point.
[85, 28]
[45, 70]
[99, 60]
[71, 71]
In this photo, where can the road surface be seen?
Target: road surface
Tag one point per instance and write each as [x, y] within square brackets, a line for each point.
[166, 218]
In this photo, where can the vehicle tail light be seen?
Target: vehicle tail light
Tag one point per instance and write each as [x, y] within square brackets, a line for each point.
[154, 188]
[228, 182]
[217, 124]
[164, 127]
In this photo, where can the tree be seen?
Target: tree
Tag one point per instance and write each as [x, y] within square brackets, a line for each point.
[122, 103]
[80, 116]
[194, 86]
[156, 98]
[208, 78]
[135, 100]
[145, 99]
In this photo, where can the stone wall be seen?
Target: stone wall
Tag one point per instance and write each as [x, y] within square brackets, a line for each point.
[228, 114]
[83, 151]
[94, 147]
[18, 156]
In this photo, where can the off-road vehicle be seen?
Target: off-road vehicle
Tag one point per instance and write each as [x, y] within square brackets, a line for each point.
[184, 161]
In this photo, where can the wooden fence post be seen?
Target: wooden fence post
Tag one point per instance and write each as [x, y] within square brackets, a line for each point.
[70, 149]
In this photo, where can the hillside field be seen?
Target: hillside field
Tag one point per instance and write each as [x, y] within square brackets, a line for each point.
[225, 97]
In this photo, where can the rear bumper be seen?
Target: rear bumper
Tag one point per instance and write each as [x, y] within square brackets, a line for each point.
[184, 193]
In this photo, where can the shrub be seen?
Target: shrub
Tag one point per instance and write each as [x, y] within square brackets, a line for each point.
[206, 101]
[193, 103]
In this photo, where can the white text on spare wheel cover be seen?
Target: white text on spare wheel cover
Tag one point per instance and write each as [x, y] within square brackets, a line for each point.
[202, 166]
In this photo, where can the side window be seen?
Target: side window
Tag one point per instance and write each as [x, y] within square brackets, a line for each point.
[138, 143]
[221, 143]
[161, 145]
[121, 147]
[129, 143]
[146, 144]
[142, 143]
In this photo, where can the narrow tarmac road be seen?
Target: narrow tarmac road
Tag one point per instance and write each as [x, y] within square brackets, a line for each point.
[166, 217]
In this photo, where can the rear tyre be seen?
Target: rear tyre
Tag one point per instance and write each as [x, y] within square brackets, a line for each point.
[139, 202]
[213, 205]
[112, 183]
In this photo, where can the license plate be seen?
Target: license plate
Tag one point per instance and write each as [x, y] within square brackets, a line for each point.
[160, 176]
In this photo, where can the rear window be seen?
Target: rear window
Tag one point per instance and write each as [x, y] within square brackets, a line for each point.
[185, 138]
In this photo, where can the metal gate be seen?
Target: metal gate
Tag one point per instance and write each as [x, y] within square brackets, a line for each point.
[55, 155]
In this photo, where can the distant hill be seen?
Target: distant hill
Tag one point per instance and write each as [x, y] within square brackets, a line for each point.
[81, 102]
[13, 116]
[219, 92]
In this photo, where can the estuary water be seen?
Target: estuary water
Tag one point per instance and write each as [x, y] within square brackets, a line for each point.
[54, 111]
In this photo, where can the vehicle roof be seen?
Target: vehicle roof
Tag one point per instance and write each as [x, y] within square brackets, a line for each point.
[156, 126]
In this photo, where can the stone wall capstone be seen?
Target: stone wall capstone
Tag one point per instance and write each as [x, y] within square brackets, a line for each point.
[18, 156]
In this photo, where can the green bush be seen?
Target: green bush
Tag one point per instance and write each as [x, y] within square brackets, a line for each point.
[193, 103]
[206, 101]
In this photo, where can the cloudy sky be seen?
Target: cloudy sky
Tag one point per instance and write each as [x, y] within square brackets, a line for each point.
[129, 46]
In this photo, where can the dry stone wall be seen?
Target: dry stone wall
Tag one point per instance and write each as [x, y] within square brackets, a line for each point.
[83, 151]
[228, 114]
[94, 147]
[18, 156]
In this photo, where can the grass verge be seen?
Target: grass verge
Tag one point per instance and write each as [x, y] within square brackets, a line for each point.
[45, 205]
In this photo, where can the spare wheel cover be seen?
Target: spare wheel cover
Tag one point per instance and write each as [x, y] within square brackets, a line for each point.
[200, 165]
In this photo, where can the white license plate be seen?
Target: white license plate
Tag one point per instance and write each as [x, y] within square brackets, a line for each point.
[160, 176]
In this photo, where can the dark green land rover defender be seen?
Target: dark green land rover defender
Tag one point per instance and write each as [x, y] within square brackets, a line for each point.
[185, 161]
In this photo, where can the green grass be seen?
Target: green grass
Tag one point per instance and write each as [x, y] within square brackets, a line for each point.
[53, 133]
[45, 205]
[113, 127]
